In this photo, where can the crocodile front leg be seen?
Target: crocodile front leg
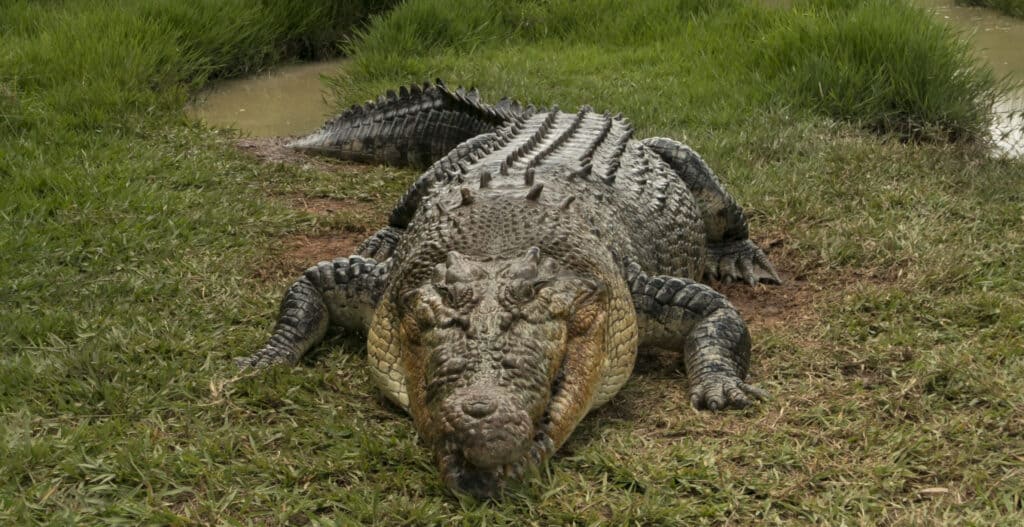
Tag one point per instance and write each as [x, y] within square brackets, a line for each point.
[678, 312]
[342, 292]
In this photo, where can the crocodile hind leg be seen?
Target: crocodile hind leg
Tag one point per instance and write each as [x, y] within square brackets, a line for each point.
[676, 312]
[730, 253]
[343, 292]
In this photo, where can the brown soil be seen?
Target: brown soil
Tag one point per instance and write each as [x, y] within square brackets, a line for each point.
[324, 206]
[307, 249]
[794, 302]
[297, 253]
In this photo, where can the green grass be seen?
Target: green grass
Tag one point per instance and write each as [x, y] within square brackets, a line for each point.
[1010, 7]
[882, 65]
[129, 249]
[136, 247]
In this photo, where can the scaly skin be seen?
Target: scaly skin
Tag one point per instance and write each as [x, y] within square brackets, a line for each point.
[516, 279]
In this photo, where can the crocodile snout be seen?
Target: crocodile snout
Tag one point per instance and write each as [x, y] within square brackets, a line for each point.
[487, 426]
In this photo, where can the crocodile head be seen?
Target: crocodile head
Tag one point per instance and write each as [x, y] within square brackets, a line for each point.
[486, 342]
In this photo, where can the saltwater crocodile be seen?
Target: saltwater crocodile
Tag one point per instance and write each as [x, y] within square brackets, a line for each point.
[508, 294]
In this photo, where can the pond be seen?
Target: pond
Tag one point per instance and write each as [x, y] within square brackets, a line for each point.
[288, 100]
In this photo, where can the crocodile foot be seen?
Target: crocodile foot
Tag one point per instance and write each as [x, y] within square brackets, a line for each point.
[739, 260]
[266, 358]
[381, 245]
[722, 392]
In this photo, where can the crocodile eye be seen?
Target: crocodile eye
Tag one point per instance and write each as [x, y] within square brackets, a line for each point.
[455, 296]
[446, 294]
[522, 291]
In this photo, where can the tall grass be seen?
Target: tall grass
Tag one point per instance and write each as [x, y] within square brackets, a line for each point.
[884, 65]
[424, 27]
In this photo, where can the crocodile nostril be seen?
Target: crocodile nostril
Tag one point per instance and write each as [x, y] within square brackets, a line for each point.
[479, 409]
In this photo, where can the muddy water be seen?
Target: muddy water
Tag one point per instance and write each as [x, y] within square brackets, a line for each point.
[285, 101]
[999, 40]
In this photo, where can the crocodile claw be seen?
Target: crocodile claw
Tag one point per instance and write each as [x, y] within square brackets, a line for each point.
[381, 245]
[722, 393]
[266, 358]
[739, 260]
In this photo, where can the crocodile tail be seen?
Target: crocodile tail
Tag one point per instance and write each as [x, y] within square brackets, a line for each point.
[413, 127]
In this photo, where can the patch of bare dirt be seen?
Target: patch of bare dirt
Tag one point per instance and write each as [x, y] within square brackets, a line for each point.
[300, 252]
[325, 206]
[295, 253]
[271, 150]
[794, 302]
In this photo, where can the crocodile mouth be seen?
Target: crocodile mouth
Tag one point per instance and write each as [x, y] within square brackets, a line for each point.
[461, 475]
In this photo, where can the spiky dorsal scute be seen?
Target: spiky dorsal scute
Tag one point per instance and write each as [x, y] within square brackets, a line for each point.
[436, 95]
[466, 197]
[534, 193]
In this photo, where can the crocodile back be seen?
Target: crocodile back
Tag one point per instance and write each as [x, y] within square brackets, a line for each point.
[583, 173]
